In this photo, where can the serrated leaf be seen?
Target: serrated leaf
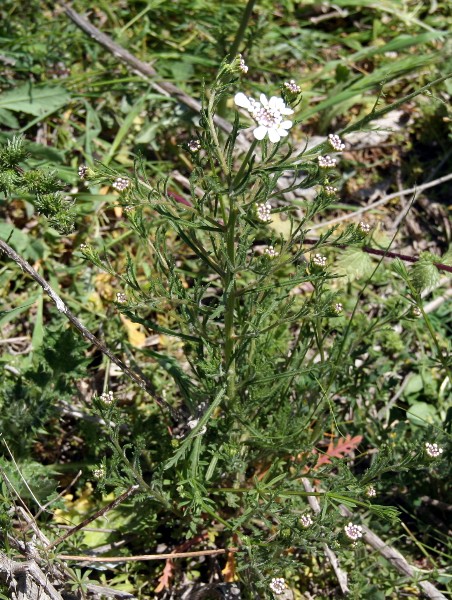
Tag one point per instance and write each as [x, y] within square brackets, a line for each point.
[34, 100]
[354, 263]
[424, 274]
[446, 258]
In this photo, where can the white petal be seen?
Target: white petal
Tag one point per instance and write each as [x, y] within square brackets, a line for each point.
[286, 111]
[260, 132]
[274, 135]
[282, 132]
[263, 99]
[243, 101]
[286, 124]
[276, 102]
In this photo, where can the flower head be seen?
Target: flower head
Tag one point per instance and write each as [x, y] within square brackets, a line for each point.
[278, 585]
[99, 473]
[107, 398]
[371, 492]
[292, 87]
[121, 183]
[306, 521]
[121, 298]
[326, 161]
[433, 450]
[194, 145]
[354, 532]
[330, 190]
[364, 227]
[336, 142]
[268, 114]
[242, 66]
[82, 171]
[416, 312]
[263, 211]
[338, 308]
[271, 252]
[319, 261]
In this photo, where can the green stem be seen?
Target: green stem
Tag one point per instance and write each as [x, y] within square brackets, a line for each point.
[242, 28]
[238, 177]
[230, 303]
[236, 45]
[213, 132]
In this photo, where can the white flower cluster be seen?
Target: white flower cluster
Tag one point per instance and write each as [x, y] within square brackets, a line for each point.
[271, 252]
[99, 473]
[319, 260]
[371, 492]
[330, 190]
[121, 183]
[84, 246]
[338, 308]
[278, 585]
[263, 211]
[292, 86]
[433, 450]
[364, 227]
[107, 398]
[194, 145]
[242, 65]
[306, 521]
[268, 114]
[82, 171]
[327, 161]
[121, 298]
[336, 142]
[354, 532]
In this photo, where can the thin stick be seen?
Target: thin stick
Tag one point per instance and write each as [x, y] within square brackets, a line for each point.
[61, 494]
[41, 508]
[360, 211]
[170, 555]
[143, 382]
[95, 516]
[340, 574]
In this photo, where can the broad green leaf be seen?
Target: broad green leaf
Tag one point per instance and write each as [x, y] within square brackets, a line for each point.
[421, 414]
[34, 100]
[8, 119]
[424, 274]
[354, 263]
[28, 247]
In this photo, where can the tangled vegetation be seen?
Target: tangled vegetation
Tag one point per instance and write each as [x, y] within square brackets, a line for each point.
[225, 319]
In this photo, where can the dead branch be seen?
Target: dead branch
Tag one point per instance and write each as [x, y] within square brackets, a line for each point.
[26, 580]
[340, 574]
[171, 555]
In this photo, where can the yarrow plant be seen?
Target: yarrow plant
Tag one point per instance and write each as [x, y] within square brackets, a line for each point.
[251, 387]
[258, 366]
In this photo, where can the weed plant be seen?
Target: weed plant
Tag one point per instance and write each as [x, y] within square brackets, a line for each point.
[268, 388]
